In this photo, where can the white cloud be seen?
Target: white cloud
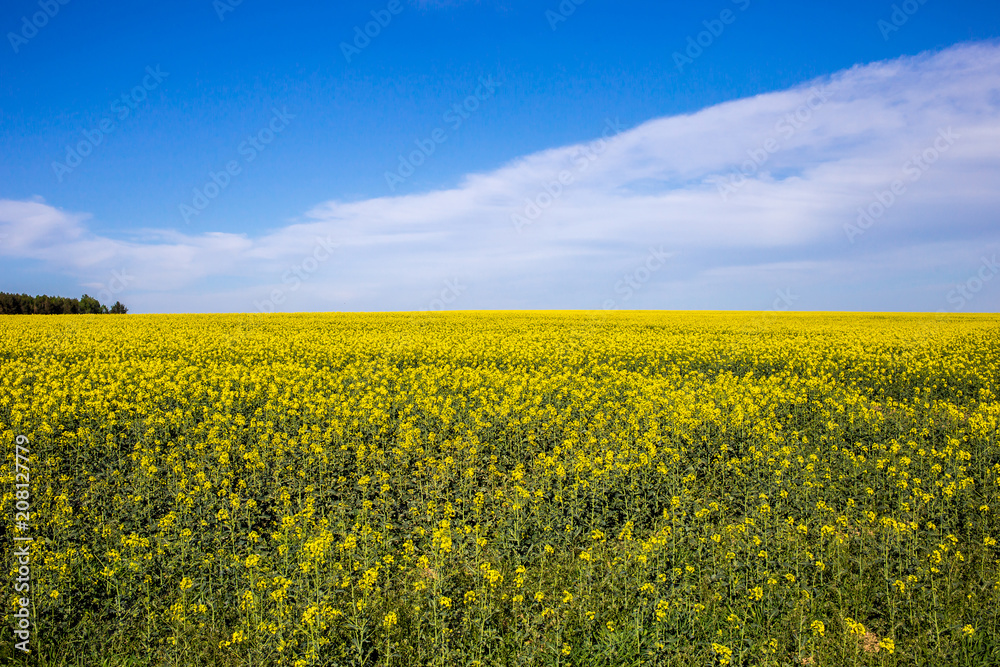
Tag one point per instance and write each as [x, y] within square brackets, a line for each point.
[655, 184]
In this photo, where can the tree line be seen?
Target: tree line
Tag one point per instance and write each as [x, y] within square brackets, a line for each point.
[22, 304]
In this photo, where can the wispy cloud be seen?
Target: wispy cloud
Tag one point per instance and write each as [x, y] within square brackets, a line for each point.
[654, 184]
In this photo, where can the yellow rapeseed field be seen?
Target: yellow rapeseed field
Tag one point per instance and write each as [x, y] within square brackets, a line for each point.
[545, 488]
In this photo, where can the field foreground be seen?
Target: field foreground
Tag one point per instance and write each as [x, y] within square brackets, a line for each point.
[551, 488]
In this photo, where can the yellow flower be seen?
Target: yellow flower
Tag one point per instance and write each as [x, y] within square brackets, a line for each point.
[854, 627]
[818, 628]
[724, 653]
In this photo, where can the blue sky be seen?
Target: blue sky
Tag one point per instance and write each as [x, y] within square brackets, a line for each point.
[209, 156]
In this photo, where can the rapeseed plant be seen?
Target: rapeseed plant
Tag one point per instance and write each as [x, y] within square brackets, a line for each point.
[509, 488]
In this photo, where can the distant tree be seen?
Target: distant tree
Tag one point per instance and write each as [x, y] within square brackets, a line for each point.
[15, 304]
[22, 304]
[89, 305]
